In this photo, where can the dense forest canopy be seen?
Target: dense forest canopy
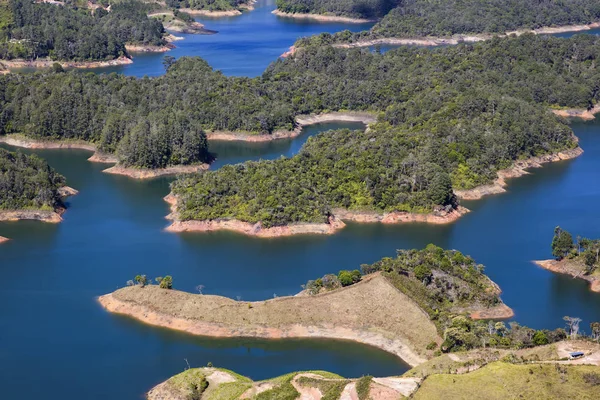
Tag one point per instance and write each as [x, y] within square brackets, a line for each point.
[448, 117]
[208, 5]
[445, 18]
[28, 182]
[348, 8]
[31, 30]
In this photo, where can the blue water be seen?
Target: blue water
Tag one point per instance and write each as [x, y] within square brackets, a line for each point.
[57, 343]
[244, 45]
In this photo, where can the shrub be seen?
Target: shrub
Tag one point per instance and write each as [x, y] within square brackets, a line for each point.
[540, 338]
[166, 282]
[141, 280]
[422, 272]
[592, 378]
[363, 387]
[431, 346]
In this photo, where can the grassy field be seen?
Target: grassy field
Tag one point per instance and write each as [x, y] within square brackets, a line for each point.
[509, 381]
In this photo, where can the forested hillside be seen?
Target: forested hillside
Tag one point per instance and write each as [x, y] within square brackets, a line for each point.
[31, 30]
[28, 182]
[445, 18]
[369, 9]
[208, 5]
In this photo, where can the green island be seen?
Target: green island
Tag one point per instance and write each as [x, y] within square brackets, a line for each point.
[434, 22]
[447, 128]
[433, 307]
[37, 34]
[578, 257]
[30, 188]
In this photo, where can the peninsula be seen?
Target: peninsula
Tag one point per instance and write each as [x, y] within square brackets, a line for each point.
[576, 257]
[31, 189]
[394, 306]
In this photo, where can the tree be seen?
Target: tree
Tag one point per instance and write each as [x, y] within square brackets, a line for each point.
[562, 243]
[345, 278]
[422, 272]
[168, 61]
[540, 338]
[572, 325]
[166, 282]
[595, 327]
[141, 280]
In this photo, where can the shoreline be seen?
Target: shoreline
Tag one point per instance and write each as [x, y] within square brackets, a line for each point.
[50, 216]
[267, 320]
[104, 158]
[3, 239]
[215, 14]
[469, 38]
[322, 17]
[586, 115]
[147, 173]
[335, 222]
[565, 268]
[518, 169]
[45, 63]
[301, 121]
[134, 48]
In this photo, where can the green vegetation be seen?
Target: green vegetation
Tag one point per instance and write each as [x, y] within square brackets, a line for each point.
[142, 280]
[208, 5]
[436, 106]
[28, 182]
[348, 8]
[582, 251]
[449, 119]
[30, 30]
[283, 390]
[501, 380]
[445, 18]
[330, 389]
[363, 387]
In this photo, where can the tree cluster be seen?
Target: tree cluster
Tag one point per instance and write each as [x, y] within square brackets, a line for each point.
[28, 182]
[581, 249]
[30, 30]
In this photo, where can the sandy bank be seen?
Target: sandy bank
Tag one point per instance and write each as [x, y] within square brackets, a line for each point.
[301, 121]
[518, 169]
[586, 115]
[146, 173]
[215, 14]
[439, 216]
[323, 17]
[334, 224]
[3, 239]
[501, 311]
[135, 48]
[46, 63]
[574, 269]
[27, 143]
[372, 312]
[440, 41]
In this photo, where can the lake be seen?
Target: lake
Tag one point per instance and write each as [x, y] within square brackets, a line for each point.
[57, 342]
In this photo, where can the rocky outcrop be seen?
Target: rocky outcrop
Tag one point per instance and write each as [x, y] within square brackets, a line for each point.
[37, 215]
[586, 115]
[519, 168]
[141, 48]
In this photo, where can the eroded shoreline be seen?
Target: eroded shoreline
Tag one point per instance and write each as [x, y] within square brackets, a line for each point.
[584, 114]
[301, 121]
[99, 157]
[566, 268]
[50, 216]
[518, 169]
[322, 17]
[47, 63]
[335, 315]
[334, 224]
